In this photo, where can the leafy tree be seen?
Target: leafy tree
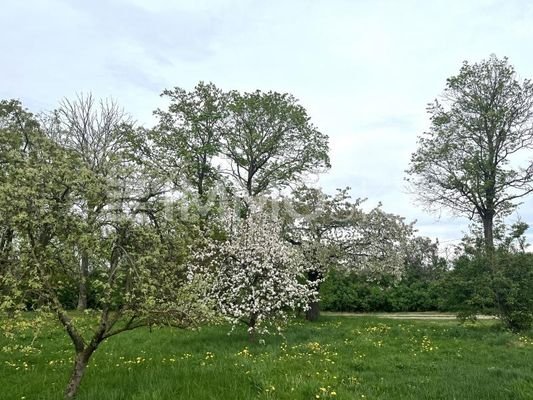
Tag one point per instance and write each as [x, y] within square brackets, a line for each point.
[96, 131]
[139, 282]
[246, 143]
[189, 136]
[513, 289]
[312, 216]
[271, 142]
[468, 162]
[499, 283]
[422, 260]
[254, 276]
[17, 131]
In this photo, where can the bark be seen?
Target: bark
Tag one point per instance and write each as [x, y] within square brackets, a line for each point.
[488, 231]
[252, 333]
[78, 370]
[5, 248]
[84, 351]
[488, 236]
[6, 242]
[313, 313]
[84, 275]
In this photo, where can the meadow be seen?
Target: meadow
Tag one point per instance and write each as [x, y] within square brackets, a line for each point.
[337, 357]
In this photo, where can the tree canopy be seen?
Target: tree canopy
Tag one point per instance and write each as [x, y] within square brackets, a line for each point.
[271, 142]
[136, 275]
[471, 159]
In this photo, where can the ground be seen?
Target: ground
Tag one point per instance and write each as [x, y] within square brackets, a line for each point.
[337, 357]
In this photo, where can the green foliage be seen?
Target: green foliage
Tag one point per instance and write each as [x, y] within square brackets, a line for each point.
[49, 195]
[39, 183]
[348, 292]
[271, 142]
[513, 290]
[352, 292]
[250, 142]
[467, 287]
[500, 284]
[189, 136]
[469, 161]
[420, 287]
[335, 233]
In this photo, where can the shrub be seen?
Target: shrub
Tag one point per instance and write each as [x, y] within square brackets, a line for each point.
[513, 290]
[350, 292]
[500, 284]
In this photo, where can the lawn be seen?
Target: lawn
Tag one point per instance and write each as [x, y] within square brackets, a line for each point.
[338, 357]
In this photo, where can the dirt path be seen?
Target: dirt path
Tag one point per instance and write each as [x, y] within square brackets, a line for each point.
[406, 315]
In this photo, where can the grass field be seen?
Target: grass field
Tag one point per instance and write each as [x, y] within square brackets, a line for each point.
[338, 357]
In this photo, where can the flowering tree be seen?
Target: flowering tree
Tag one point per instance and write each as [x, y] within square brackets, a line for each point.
[334, 232]
[254, 276]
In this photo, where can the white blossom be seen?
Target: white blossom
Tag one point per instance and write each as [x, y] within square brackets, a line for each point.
[255, 277]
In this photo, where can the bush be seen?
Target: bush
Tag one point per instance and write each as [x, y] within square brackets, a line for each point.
[348, 292]
[513, 290]
[500, 285]
[466, 289]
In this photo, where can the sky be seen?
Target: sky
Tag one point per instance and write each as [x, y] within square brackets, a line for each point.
[364, 69]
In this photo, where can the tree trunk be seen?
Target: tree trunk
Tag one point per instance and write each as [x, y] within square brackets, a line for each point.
[252, 333]
[6, 242]
[488, 235]
[78, 370]
[5, 248]
[84, 275]
[313, 311]
[488, 231]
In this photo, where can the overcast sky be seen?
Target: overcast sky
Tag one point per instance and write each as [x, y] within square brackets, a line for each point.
[364, 69]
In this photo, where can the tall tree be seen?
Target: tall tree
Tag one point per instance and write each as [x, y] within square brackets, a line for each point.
[469, 161]
[271, 142]
[96, 130]
[188, 136]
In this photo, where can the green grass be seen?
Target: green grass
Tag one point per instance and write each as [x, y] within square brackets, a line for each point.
[338, 357]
